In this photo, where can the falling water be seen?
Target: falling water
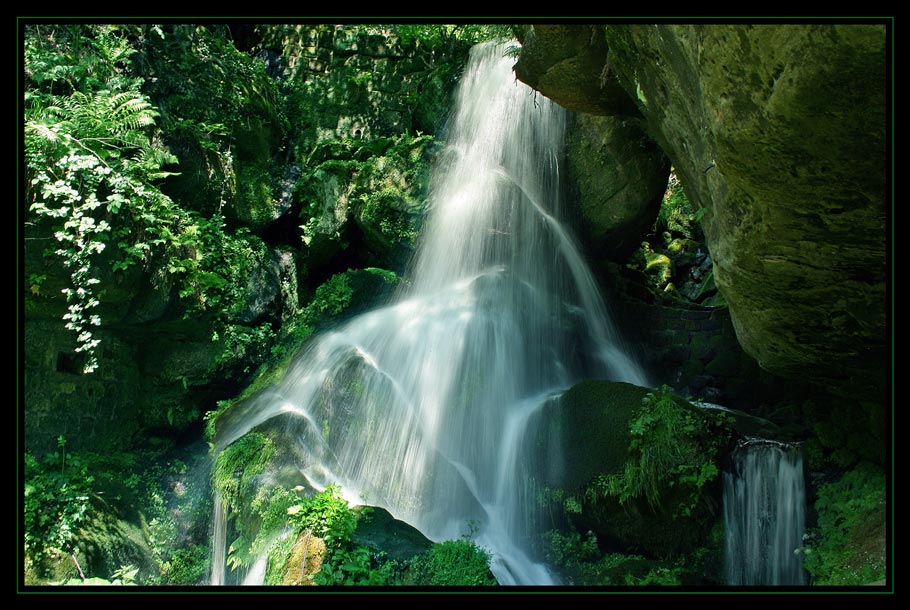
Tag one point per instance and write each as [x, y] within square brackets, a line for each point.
[764, 514]
[421, 407]
[219, 543]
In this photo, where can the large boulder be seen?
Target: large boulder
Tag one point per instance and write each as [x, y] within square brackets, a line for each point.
[570, 64]
[619, 175]
[641, 467]
[779, 132]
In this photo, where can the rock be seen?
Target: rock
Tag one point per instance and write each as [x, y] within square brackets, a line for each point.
[620, 176]
[271, 288]
[304, 561]
[779, 132]
[94, 411]
[570, 65]
[105, 542]
[380, 531]
[590, 426]
[390, 208]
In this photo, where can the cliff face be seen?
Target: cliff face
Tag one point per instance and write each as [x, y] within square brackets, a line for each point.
[779, 132]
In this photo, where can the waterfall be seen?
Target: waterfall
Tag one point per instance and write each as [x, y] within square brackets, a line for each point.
[764, 514]
[219, 542]
[422, 406]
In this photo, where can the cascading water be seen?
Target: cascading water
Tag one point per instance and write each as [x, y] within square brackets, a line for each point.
[421, 407]
[764, 514]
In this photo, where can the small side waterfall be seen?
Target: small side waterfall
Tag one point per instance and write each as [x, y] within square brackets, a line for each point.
[764, 514]
[219, 543]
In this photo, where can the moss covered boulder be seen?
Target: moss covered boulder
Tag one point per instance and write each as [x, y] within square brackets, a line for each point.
[779, 132]
[619, 175]
[571, 65]
[378, 530]
[641, 466]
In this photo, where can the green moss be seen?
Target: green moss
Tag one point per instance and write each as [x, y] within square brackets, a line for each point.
[238, 466]
[594, 417]
[848, 547]
[253, 202]
[726, 363]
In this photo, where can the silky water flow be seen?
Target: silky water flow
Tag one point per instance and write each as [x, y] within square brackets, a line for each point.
[764, 514]
[423, 406]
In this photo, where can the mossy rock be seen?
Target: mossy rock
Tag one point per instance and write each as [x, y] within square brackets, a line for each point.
[592, 423]
[304, 561]
[380, 531]
[349, 293]
[106, 542]
[779, 134]
[619, 175]
[590, 426]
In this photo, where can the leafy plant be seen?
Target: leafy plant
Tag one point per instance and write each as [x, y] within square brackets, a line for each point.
[848, 545]
[454, 563]
[56, 502]
[327, 514]
[672, 446]
[91, 166]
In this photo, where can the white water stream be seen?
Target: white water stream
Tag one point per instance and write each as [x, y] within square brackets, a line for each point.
[422, 406]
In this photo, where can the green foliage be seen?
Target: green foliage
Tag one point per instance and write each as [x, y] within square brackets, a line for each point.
[56, 502]
[332, 297]
[220, 110]
[346, 292]
[186, 566]
[381, 181]
[845, 433]
[355, 566]
[91, 167]
[94, 165]
[568, 550]
[81, 510]
[328, 515]
[672, 445]
[454, 563]
[440, 35]
[677, 214]
[848, 545]
[582, 563]
[123, 576]
[672, 251]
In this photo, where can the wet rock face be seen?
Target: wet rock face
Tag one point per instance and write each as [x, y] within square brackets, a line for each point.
[779, 131]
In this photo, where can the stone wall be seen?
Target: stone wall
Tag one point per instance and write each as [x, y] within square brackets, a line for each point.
[689, 347]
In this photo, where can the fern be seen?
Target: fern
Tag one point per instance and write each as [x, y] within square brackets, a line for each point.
[91, 165]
